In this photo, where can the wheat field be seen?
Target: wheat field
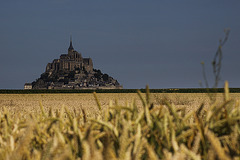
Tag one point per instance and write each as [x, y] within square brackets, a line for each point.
[30, 103]
[125, 126]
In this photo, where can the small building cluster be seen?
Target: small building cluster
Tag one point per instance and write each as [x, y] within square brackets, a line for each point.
[72, 71]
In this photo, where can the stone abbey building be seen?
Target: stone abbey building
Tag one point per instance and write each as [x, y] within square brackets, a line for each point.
[70, 61]
[72, 71]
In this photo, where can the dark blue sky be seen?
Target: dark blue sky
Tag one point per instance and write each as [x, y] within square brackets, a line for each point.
[138, 42]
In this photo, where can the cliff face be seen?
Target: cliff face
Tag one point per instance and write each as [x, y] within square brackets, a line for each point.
[72, 71]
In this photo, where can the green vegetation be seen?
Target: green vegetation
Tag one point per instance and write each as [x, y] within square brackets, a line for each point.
[182, 90]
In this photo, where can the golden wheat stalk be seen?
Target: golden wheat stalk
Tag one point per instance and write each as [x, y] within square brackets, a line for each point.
[217, 146]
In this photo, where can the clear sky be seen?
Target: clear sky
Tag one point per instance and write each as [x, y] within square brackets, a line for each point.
[137, 42]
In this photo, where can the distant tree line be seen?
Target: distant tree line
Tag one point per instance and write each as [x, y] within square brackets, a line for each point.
[182, 90]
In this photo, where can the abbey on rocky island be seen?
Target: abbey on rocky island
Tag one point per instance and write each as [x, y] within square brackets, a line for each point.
[72, 71]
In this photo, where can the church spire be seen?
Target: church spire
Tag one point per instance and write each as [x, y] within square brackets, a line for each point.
[70, 47]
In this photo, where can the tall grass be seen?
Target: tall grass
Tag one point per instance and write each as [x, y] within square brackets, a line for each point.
[125, 132]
